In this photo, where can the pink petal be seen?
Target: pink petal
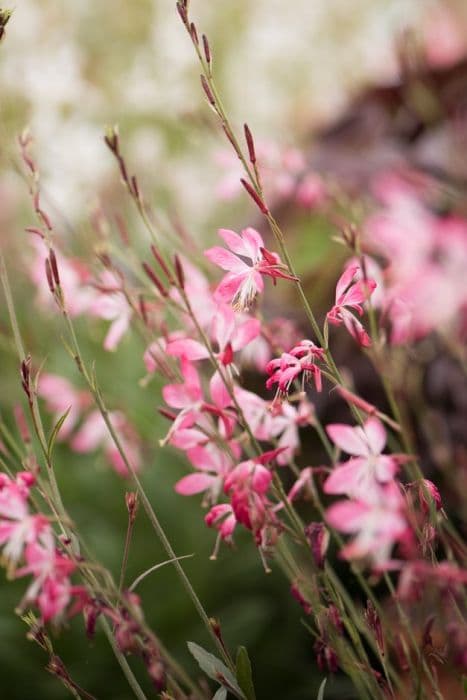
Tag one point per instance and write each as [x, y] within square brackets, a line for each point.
[342, 480]
[355, 328]
[345, 280]
[90, 435]
[187, 438]
[230, 285]
[209, 458]
[253, 243]
[234, 241]
[385, 468]
[245, 333]
[223, 325]
[219, 393]
[347, 516]
[191, 377]
[376, 435]
[225, 259]
[187, 348]
[194, 483]
[351, 440]
[177, 396]
[116, 332]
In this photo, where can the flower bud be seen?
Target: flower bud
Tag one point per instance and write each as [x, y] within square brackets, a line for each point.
[318, 538]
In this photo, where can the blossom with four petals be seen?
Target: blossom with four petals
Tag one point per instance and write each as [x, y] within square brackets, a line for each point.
[245, 263]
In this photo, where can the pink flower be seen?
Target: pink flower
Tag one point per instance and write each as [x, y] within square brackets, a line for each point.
[350, 295]
[256, 412]
[361, 476]
[54, 596]
[247, 486]
[60, 395]
[377, 525]
[50, 589]
[230, 335]
[192, 425]
[213, 464]
[94, 433]
[311, 191]
[299, 361]
[244, 279]
[154, 355]
[223, 519]
[285, 422]
[17, 526]
[112, 305]
[415, 574]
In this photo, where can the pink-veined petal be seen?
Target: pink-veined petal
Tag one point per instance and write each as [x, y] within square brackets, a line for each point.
[345, 280]
[225, 259]
[234, 241]
[253, 242]
[229, 286]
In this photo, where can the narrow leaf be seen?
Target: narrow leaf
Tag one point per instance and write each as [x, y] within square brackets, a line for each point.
[244, 675]
[215, 669]
[55, 431]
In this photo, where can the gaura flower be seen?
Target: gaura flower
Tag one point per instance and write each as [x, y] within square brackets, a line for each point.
[351, 293]
[245, 263]
[363, 474]
[376, 526]
[230, 335]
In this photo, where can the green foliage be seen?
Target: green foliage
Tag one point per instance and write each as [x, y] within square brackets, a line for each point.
[215, 669]
[244, 674]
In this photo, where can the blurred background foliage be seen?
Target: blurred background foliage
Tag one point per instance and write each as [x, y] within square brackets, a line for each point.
[66, 70]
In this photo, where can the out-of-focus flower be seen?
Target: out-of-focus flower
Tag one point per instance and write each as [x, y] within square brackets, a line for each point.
[361, 476]
[60, 395]
[18, 527]
[112, 305]
[94, 433]
[377, 525]
[351, 293]
[230, 336]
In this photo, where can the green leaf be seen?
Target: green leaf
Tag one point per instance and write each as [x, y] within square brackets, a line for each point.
[321, 690]
[221, 694]
[215, 669]
[244, 675]
[55, 431]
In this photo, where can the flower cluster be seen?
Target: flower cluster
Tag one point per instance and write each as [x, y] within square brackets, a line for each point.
[423, 282]
[29, 548]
